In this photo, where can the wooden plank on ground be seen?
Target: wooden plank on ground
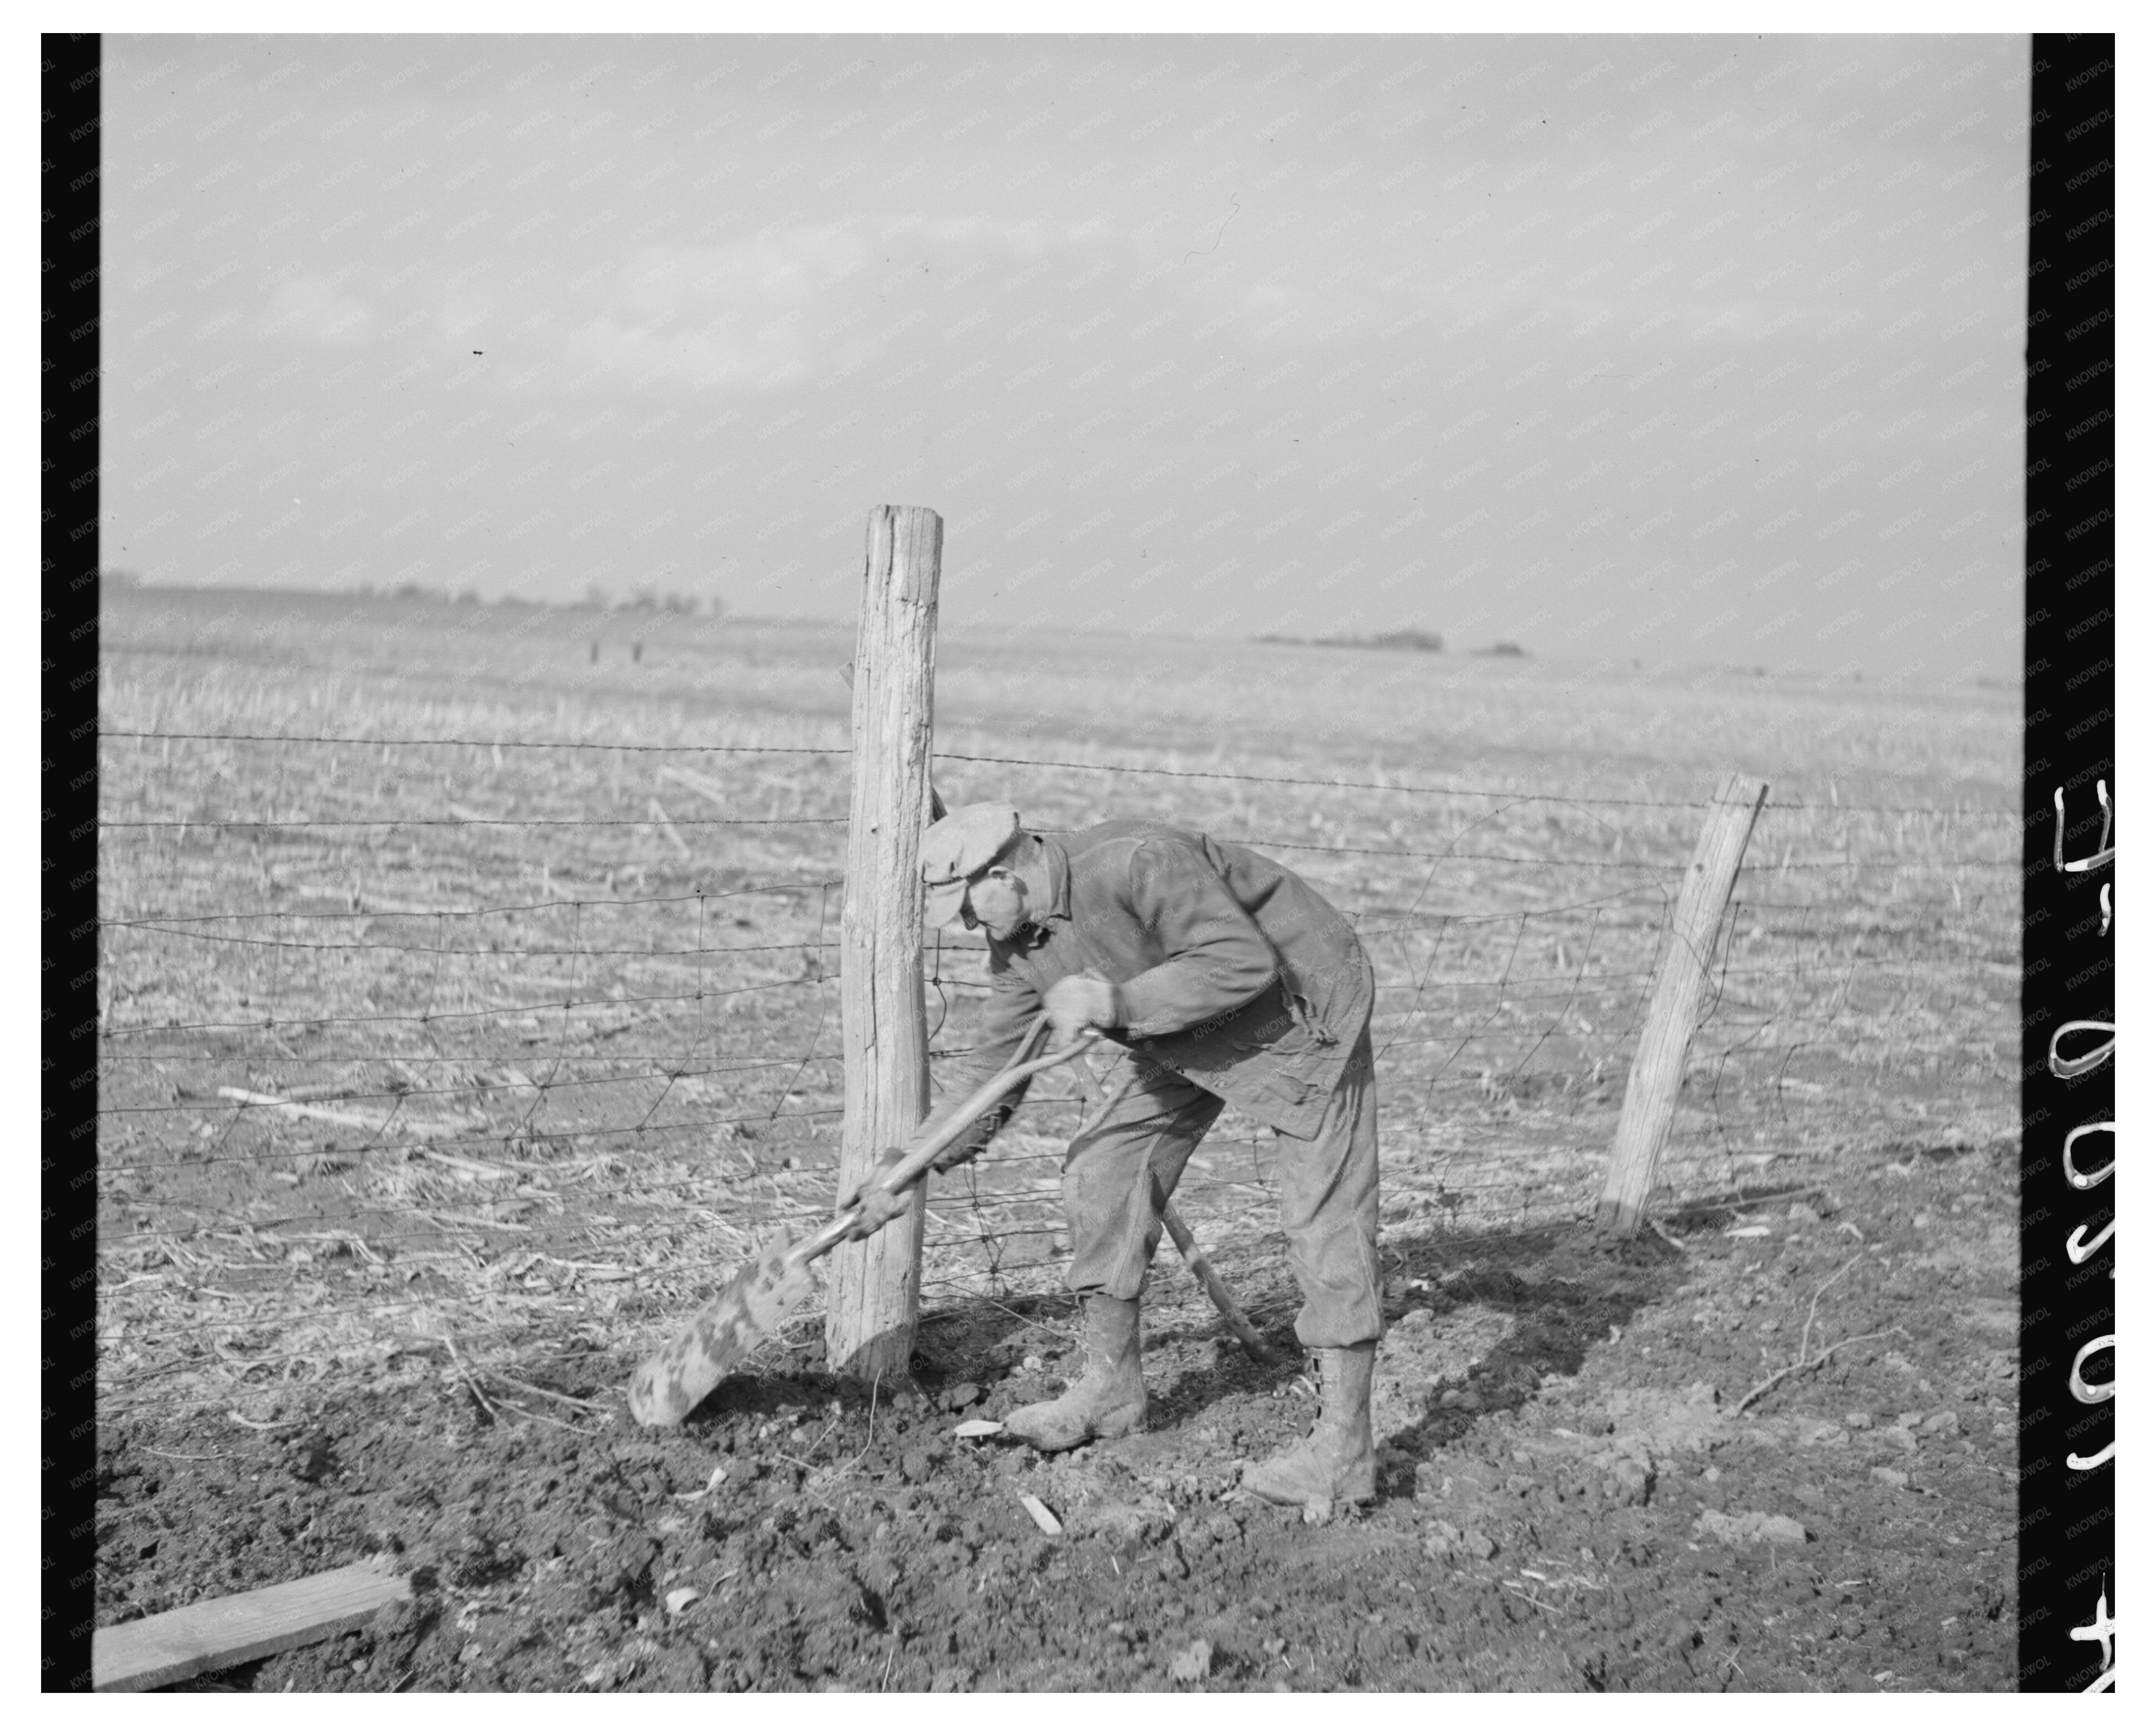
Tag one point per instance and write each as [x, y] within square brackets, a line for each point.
[210, 1635]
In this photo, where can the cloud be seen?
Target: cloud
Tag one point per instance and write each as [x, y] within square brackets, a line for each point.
[812, 301]
[309, 308]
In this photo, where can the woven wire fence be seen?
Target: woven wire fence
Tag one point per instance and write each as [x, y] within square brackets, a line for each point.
[405, 1054]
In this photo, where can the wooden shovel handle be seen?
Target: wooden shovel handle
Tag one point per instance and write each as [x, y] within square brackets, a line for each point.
[915, 1163]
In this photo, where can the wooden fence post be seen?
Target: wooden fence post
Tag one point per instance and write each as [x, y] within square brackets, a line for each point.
[874, 1295]
[1658, 1064]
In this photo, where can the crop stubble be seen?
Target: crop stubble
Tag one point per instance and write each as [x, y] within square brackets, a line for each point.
[540, 1190]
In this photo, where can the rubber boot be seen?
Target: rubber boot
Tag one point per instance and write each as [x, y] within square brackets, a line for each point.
[1337, 1462]
[1108, 1400]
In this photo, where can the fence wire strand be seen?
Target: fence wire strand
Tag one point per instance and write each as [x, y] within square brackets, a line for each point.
[598, 1156]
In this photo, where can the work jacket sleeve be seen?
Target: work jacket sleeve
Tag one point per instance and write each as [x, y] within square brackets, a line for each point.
[1218, 958]
[1011, 1007]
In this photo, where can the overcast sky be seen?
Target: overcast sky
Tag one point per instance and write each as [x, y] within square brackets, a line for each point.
[1687, 349]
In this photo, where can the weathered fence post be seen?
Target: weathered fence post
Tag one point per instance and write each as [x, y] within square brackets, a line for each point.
[874, 1288]
[1651, 1093]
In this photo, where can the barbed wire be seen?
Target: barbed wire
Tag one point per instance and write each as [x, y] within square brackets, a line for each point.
[267, 1104]
[252, 823]
[1458, 1052]
[258, 1229]
[525, 1009]
[1517, 796]
[1523, 985]
[477, 1087]
[481, 1141]
[147, 918]
[986, 760]
[386, 742]
[1109, 766]
[465, 1060]
[491, 952]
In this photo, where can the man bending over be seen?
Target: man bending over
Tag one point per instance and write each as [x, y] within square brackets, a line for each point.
[1228, 979]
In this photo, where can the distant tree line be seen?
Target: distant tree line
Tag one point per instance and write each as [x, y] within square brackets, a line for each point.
[596, 598]
[647, 599]
[1397, 641]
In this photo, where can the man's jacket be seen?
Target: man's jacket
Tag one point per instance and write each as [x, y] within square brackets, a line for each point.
[1228, 969]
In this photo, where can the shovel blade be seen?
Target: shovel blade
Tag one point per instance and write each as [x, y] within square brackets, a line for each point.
[726, 1330]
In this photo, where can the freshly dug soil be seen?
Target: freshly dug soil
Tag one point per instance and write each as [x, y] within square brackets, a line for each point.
[1570, 1497]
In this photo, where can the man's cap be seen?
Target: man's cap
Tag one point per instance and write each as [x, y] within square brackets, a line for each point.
[957, 848]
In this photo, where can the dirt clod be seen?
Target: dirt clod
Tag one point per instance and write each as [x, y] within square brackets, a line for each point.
[311, 1457]
[1193, 1663]
[1750, 1527]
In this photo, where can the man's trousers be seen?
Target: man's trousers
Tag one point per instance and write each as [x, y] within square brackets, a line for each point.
[1328, 1196]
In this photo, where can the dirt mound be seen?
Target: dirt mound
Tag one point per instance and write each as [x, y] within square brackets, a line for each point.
[1426, 1362]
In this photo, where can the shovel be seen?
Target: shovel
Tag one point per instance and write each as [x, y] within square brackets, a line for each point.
[740, 1316]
